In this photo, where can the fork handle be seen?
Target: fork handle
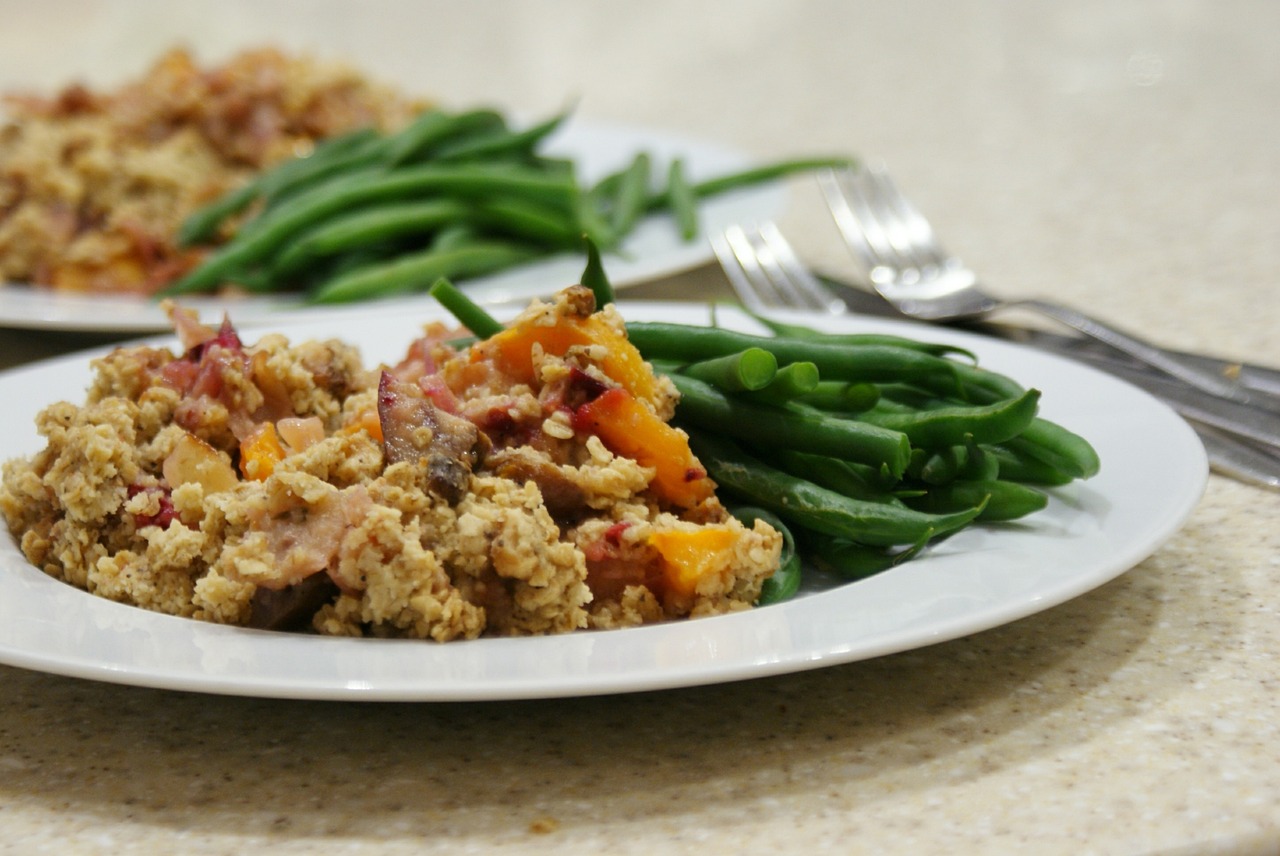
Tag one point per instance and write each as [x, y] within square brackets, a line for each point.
[1149, 354]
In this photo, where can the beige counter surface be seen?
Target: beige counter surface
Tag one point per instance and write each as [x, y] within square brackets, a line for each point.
[1119, 157]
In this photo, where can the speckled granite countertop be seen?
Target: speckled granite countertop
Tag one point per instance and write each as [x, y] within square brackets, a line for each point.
[1121, 157]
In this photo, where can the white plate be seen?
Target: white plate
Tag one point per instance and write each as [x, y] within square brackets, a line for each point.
[1153, 472]
[654, 249]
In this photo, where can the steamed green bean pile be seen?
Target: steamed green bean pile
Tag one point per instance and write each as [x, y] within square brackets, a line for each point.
[863, 448]
[454, 195]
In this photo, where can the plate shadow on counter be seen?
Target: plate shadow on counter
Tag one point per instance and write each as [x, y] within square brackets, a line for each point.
[279, 769]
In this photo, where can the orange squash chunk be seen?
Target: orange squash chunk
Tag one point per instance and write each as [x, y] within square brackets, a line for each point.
[513, 351]
[260, 452]
[628, 428]
[688, 556]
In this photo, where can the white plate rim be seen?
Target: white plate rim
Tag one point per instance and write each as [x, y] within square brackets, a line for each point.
[1154, 473]
[652, 251]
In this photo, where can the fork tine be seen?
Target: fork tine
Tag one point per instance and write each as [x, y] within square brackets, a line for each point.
[916, 233]
[891, 238]
[872, 204]
[793, 276]
[738, 261]
[764, 271]
[856, 222]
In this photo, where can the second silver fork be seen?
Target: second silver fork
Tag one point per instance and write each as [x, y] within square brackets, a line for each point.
[909, 267]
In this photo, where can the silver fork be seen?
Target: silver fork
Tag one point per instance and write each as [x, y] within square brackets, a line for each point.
[765, 273]
[908, 266]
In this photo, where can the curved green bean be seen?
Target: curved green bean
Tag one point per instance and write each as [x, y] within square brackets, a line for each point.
[283, 224]
[800, 331]
[793, 426]
[955, 425]
[682, 201]
[785, 581]
[817, 508]
[594, 276]
[854, 561]
[205, 222]
[1001, 500]
[365, 226]
[847, 362]
[417, 271]
[435, 127]
[1060, 448]
[467, 311]
[845, 397]
[632, 195]
[501, 141]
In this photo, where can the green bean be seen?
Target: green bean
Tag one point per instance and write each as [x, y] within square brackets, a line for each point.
[364, 226]
[943, 466]
[984, 386]
[1014, 465]
[967, 462]
[1058, 447]
[1002, 500]
[812, 507]
[454, 236]
[748, 369]
[800, 331]
[595, 278]
[435, 127]
[467, 311]
[911, 397]
[603, 193]
[286, 222]
[790, 383]
[981, 465]
[204, 222]
[854, 561]
[842, 396]
[501, 142]
[794, 426]
[785, 581]
[682, 201]
[380, 154]
[953, 426]
[753, 175]
[593, 222]
[632, 195]
[524, 218]
[415, 271]
[872, 362]
[305, 175]
[856, 481]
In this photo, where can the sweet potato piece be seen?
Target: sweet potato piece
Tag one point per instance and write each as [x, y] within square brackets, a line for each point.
[260, 452]
[513, 351]
[688, 555]
[628, 428]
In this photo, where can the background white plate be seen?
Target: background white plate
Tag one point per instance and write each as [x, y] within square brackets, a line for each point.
[1153, 472]
[654, 249]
